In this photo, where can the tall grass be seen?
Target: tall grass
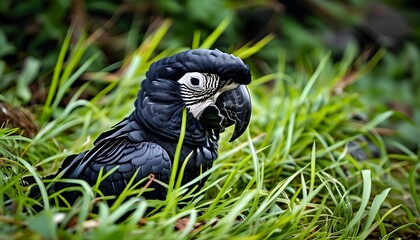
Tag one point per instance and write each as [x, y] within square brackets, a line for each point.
[294, 174]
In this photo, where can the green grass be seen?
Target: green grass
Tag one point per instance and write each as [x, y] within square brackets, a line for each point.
[291, 176]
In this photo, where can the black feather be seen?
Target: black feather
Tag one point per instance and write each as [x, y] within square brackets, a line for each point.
[146, 140]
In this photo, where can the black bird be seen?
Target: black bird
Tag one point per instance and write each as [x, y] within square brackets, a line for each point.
[209, 84]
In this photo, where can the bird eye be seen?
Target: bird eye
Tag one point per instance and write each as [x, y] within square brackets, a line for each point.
[194, 81]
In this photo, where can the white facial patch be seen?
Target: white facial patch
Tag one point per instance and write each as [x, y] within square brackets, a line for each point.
[200, 90]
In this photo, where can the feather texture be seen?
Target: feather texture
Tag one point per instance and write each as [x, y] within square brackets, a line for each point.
[146, 140]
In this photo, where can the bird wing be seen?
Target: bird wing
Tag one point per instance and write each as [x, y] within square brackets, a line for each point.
[125, 155]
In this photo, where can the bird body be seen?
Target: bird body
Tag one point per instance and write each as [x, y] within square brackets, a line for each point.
[209, 84]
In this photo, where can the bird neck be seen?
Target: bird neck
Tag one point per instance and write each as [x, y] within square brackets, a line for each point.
[161, 113]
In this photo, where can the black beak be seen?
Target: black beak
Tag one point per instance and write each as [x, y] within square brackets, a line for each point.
[232, 107]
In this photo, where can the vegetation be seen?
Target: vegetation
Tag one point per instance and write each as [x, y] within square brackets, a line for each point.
[313, 164]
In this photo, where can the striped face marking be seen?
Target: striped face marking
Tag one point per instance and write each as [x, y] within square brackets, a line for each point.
[200, 90]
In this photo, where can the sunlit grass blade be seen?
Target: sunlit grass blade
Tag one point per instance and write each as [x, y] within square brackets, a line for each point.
[354, 224]
[56, 76]
[209, 41]
[250, 49]
[373, 212]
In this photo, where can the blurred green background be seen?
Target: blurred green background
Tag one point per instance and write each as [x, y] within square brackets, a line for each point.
[32, 32]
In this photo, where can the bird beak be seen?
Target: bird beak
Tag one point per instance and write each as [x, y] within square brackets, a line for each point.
[232, 107]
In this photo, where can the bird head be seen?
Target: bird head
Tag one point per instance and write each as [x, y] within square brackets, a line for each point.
[210, 84]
